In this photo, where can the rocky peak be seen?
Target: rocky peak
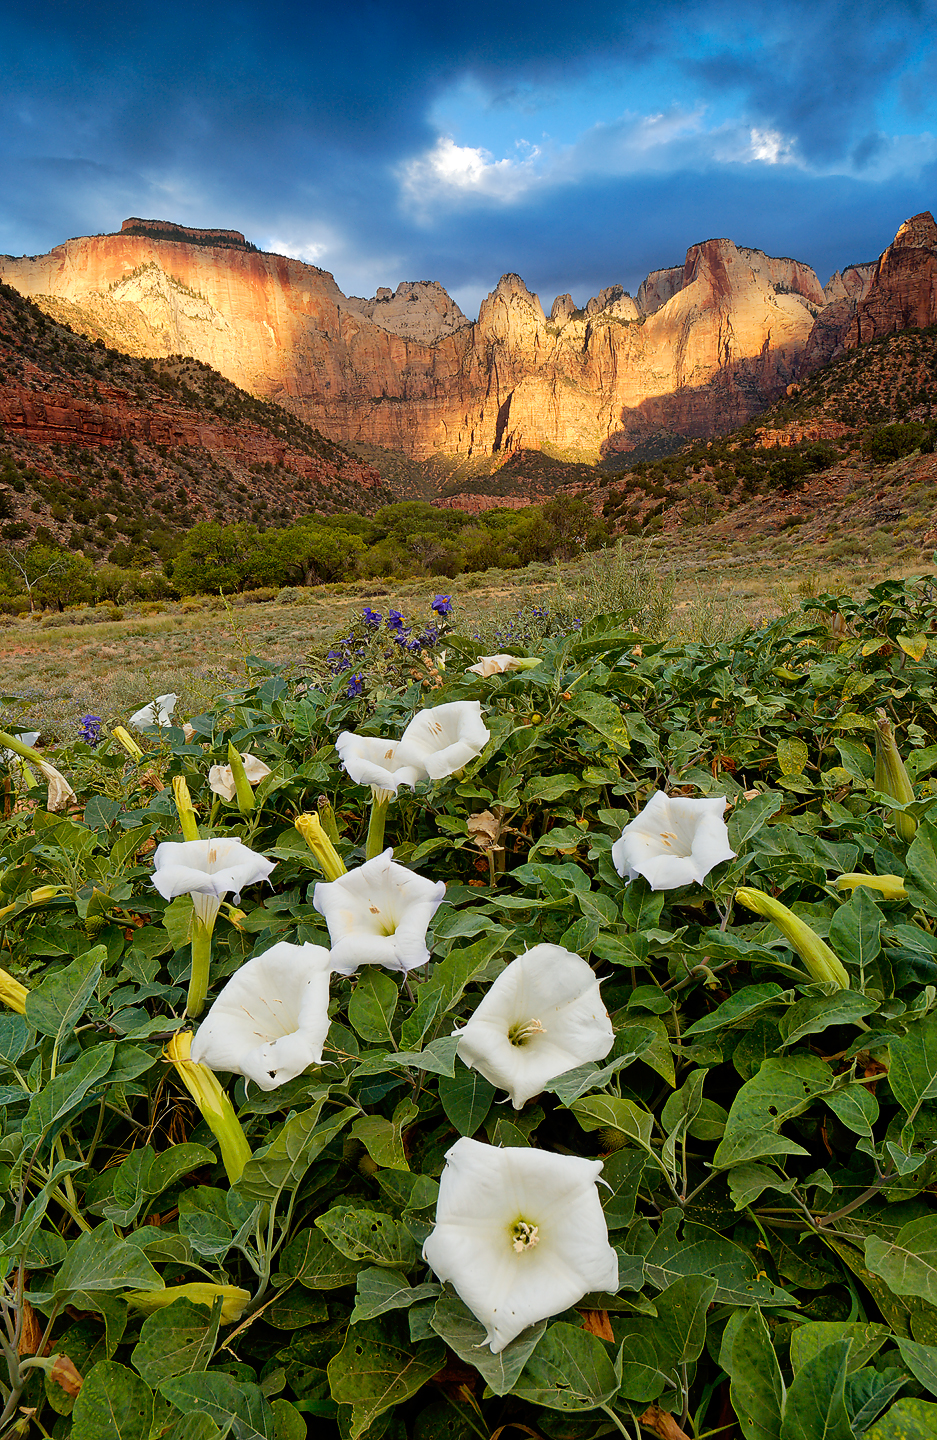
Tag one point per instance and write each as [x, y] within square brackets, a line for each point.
[417, 310]
[563, 307]
[510, 311]
[659, 287]
[850, 284]
[919, 231]
[902, 294]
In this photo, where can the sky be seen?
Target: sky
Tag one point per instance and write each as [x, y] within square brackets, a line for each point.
[579, 145]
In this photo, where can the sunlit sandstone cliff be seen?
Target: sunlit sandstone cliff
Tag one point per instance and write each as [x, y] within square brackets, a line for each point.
[699, 350]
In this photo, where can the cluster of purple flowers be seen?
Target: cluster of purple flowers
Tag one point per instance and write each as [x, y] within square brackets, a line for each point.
[90, 729]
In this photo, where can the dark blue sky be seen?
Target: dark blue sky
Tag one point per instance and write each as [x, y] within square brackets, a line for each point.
[577, 144]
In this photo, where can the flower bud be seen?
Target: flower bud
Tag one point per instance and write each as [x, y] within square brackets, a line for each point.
[185, 808]
[123, 737]
[199, 1292]
[816, 955]
[330, 861]
[891, 778]
[242, 786]
[216, 1108]
[327, 818]
[12, 993]
[891, 887]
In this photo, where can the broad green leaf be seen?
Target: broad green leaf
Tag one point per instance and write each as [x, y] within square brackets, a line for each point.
[756, 1389]
[382, 1290]
[743, 1005]
[378, 1367]
[816, 1013]
[569, 1370]
[808, 1340]
[383, 1139]
[177, 920]
[456, 1324]
[466, 1098]
[314, 1261]
[368, 1235]
[65, 1092]
[550, 787]
[748, 1181]
[438, 1056]
[288, 1422]
[680, 1327]
[856, 1108]
[921, 881]
[908, 1264]
[296, 1308]
[701, 1251]
[372, 1004]
[100, 1260]
[176, 1340]
[907, 1419]
[410, 1192]
[782, 1088]
[57, 1001]
[815, 1408]
[621, 1171]
[573, 1083]
[596, 1112]
[238, 1405]
[749, 816]
[280, 1165]
[792, 756]
[921, 1360]
[602, 715]
[855, 930]
[912, 1072]
[113, 1404]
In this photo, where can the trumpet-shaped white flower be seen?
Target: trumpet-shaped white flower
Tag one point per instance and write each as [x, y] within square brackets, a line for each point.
[378, 914]
[207, 870]
[444, 738]
[520, 1234]
[270, 1021]
[221, 777]
[488, 665]
[542, 1016]
[372, 760]
[158, 712]
[673, 841]
[59, 792]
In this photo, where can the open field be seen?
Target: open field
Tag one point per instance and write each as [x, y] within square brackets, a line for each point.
[55, 668]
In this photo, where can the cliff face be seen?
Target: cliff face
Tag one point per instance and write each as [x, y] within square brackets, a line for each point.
[700, 348]
[903, 289]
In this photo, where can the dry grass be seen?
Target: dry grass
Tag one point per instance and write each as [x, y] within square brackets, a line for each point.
[691, 589]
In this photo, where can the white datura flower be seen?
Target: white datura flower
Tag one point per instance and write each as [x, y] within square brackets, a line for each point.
[270, 1021]
[488, 665]
[207, 870]
[542, 1016]
[221, 777]
[443, 738]
[59, 793]
[520, 1234]
[158, 712]
[378, 914]
[372, 760]
[673, 841]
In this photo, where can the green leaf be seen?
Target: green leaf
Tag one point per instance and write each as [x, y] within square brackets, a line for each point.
[756, 1389]
[741, 1006]
[702, 1251]
[906, 1420]
[236, 1405]
[280, 1165]
[382, 1290]
[622, 1171]
[680, 1327]
[815, 1408]
[177, 919]
[908, 1264]
[113, 1404]
[456, 1324]
[783, 1087]
[749, 816]
[466, 1098]
[383, 1139]
[314, 1261]
[855, 930]
[816, 1013]
[176, 1340]
[569, 1370]
[748, 1181]
[368, 1235]
[808, 1340]
[912, 1072]
[602, 714]
[550, 787]
[438, 1056]
[595, 1112]
[856, 1107]
[100, 1260]
[65, 1092]
[921, 1360]
[57, 1001]
[792, 756]
[372, 1004]
[378, 1367]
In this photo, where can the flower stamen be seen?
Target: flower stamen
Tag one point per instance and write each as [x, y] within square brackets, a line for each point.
[524, 1237]
[521, 1033]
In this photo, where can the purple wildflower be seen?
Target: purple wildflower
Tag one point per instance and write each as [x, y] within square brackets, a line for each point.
[90, 727]
[355, 686]
[442, 604]
[394, 620]
[372, 618]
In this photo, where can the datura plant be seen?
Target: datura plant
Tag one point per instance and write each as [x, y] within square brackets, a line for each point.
[590, 1091]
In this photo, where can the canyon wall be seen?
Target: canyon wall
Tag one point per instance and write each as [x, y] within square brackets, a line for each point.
[699, 350]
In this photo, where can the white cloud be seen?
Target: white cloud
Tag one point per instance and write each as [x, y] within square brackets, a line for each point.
[310, 251]
[771, 147]
[451, 172]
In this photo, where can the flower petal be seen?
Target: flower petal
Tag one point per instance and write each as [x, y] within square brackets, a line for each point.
[443, 738]
[673, 841]
[212, 867]
[378, 914]
[372, 760]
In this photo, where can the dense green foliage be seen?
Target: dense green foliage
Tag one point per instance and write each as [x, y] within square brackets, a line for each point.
[770, 1142]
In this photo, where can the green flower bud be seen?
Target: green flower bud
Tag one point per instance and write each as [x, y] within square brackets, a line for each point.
[816, 955]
